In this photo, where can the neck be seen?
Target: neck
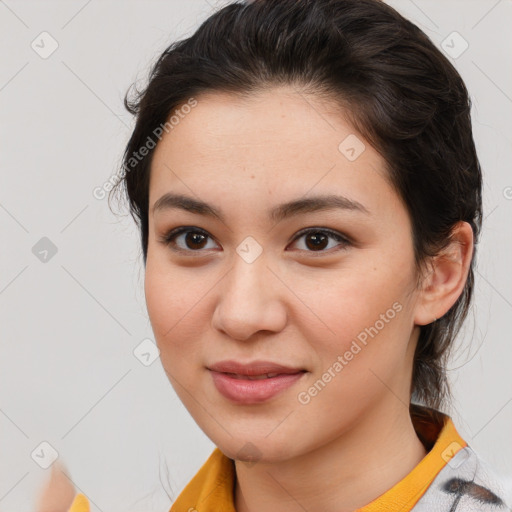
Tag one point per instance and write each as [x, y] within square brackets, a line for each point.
[340, 476]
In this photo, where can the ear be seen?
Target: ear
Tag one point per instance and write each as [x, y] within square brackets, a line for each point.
[446, 279]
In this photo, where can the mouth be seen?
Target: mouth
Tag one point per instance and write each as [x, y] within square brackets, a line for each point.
[257, 377]
[258, 369]
[249, 385]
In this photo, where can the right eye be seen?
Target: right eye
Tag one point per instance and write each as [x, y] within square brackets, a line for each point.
[193, 239]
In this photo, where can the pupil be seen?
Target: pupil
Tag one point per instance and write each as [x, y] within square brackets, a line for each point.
[318, 240]
[195, 239]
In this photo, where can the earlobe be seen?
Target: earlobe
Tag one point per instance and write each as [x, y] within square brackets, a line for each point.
[446, 278]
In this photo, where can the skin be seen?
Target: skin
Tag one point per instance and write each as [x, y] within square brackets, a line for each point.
[58, 492]
[294, 305]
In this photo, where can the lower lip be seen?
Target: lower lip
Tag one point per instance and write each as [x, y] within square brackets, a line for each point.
[246, 391]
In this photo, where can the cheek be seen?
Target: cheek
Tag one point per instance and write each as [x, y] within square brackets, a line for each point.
[172, 303]
[364, 318]
[359, 364]
[356, 301]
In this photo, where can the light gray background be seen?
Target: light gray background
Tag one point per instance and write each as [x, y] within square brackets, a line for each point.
[69, 326]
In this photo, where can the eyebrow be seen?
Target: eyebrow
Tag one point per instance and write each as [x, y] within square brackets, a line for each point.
[276, 214]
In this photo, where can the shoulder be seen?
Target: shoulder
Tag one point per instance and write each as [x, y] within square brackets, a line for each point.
[467, 483]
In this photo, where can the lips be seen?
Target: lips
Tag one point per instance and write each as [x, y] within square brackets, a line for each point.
[258, 369]
[254, 382]
[253, 377]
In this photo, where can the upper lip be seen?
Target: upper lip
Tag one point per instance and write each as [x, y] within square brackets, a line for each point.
[252, 368]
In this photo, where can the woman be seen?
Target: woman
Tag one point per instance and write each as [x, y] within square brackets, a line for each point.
[308, 194]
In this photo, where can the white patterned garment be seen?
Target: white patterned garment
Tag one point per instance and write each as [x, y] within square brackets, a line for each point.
[466, 484]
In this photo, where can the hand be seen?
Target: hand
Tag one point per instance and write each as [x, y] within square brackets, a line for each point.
[58, 493]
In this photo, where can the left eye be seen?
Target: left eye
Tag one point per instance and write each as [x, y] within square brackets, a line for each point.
[195, 239]
[317, 238]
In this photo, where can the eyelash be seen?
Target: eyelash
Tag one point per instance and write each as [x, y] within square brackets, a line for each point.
[168, 238]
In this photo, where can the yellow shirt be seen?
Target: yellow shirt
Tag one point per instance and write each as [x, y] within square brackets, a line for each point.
[211, 489]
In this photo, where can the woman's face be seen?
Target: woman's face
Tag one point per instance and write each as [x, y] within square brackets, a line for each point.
[336, 302]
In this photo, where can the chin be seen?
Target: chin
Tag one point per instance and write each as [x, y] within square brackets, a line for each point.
[256, 449]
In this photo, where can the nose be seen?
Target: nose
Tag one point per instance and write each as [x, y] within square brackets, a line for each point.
[250, 300]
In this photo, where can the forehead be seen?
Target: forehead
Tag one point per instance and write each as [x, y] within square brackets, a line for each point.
[277, 142]
[269, 117]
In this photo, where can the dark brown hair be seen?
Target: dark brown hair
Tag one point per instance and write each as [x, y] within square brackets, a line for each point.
[400, 92]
